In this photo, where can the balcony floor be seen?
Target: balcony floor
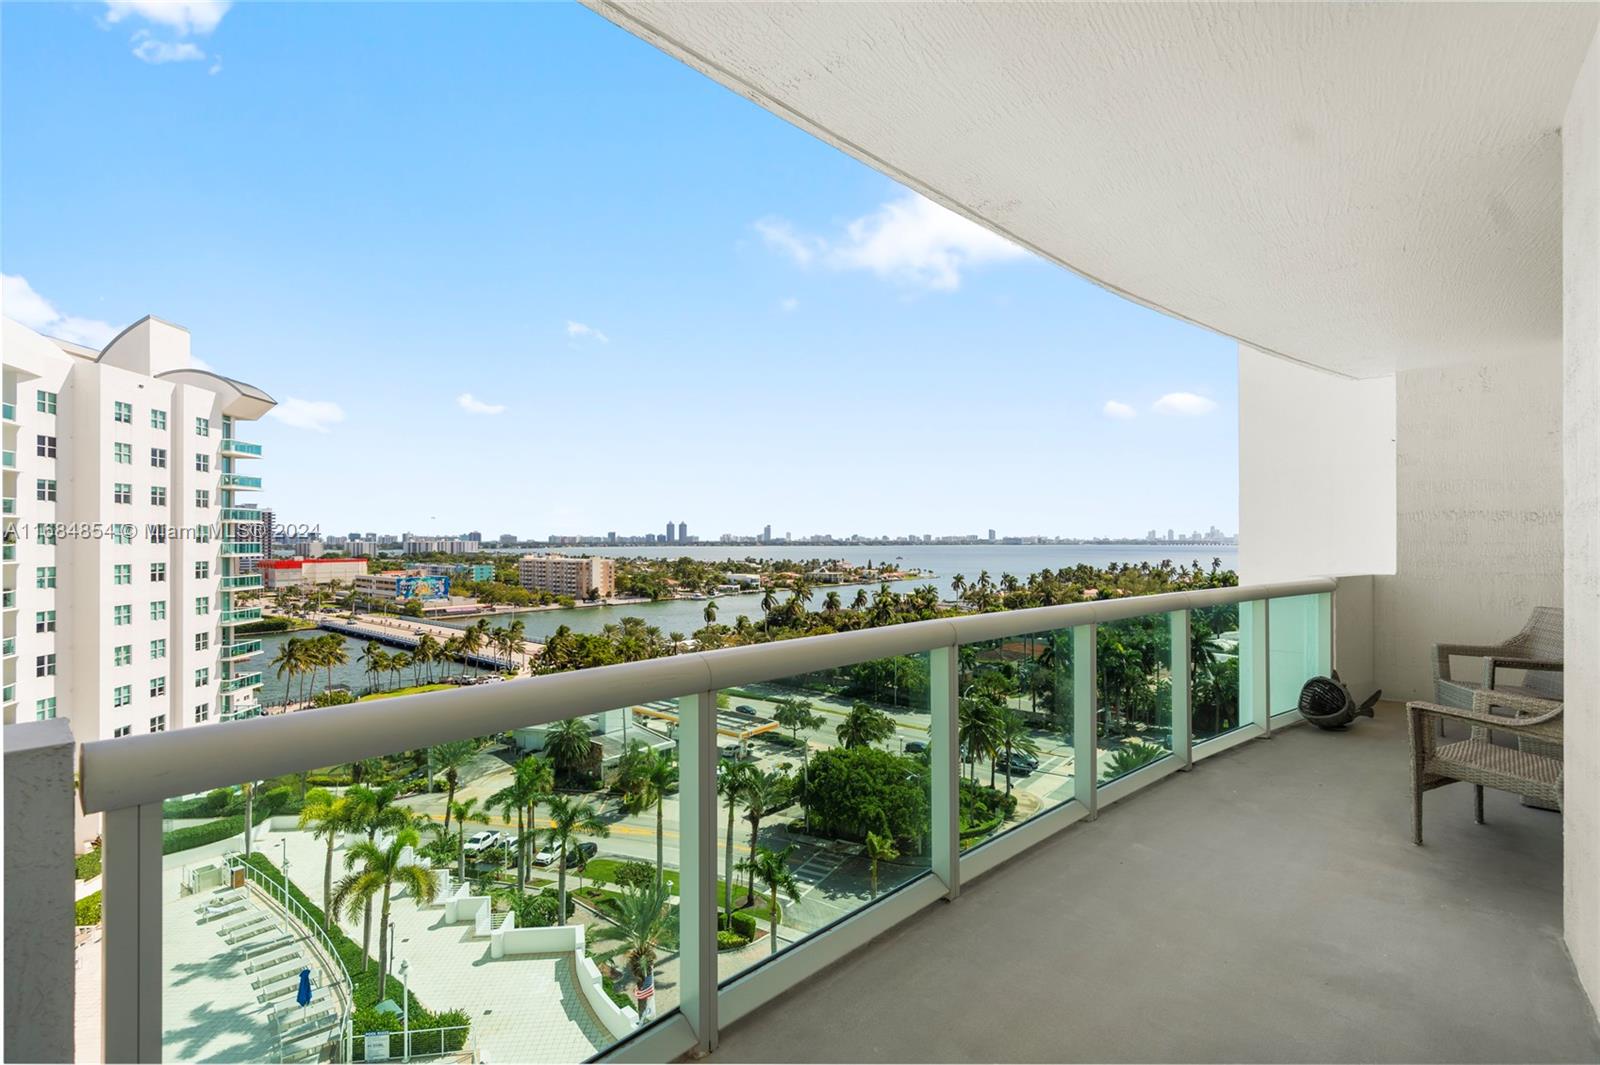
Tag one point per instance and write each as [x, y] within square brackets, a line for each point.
[1268, 906]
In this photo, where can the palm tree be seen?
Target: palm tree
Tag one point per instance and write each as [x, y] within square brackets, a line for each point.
[958, 585]
[978, 727]
[764, 792]
[860, 601]
[448, 758]
[381, 869]
[372, 657]
[462, 810]
[831, 603]
[769, 603]
[653, 777]
[864, 726]
[333, 653]
[471, 641]
[290, 660]
[427, 652]
[399, 662]
[711, 612]
[569, 817]
[643, 918]
[516, 635]
[569, 745]
[372, 810]
[730, 785]
[531, 780]
[1013, 735]
[879, 849]
[328, 815]
[772, 869]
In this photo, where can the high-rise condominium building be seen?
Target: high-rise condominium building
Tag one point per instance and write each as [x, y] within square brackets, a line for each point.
[672, 531]
[123, 542]
[577, 577]
[683, 532]
[264, 532]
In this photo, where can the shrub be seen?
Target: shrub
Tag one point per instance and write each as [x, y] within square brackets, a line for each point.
[619, 997]
[336, 697]
[183, 839]
[87, 909]
[731, 940]
[635, 874]
[216, 803]
[744, 924]
[271, 802]
[555, 900]
[855, 790]
[534, 911]
[87, 866]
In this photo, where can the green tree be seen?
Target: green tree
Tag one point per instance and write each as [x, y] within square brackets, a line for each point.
[765, 792]
[1013, 735]
[448, 758]
[372, 660]
[380, 869]
[643, 917]
[711, 612]
[462, 810]
[731, 783]
[772, 869]
[879, 849]
[328, 816]
[531, 782]
[569, 745]
[651, 778]
[864, 726]
[568, 818]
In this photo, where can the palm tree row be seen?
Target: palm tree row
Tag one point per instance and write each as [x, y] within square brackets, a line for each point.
[302, 659]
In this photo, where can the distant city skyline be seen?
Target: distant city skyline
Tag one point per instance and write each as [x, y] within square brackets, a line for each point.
[648, 297]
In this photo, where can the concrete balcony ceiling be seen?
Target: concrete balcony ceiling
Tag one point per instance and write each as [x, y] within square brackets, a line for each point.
[1361, 188]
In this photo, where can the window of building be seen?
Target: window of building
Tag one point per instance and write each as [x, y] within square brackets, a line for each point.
[122, 615]
[122, 573]
[202, 712]
[45, 491]
[202, 534]
[202, 463]
[158, 723]
[44, 402]
[158, 649]
[122, 533]
[202, 677]
[202, 427]
[158, 419]
[158, 686]
[202, 498]
[121, 730]
[46, 446]
[44, 709]
[122, 654]
[158, 534]
[121, 493]
[202, 640]
[44, 621]
[202, 605]
[122, 412]
[158, 610]
[44, 577]
[158, 495]
[158, 457]
[122, 694]
[122, 454]
[45, 533]
[202, 571]
[44, 666]
[158, 571]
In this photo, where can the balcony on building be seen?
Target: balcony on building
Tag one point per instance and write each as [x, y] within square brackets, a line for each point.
[1407, 253]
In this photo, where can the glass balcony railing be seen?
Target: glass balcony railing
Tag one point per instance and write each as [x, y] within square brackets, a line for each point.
[10, 554]
[241, 514]
[238, 448]
[8, 600]
[8, 646]
[8, 412]
[234, 617]
[244, 680]
[9, 693]
[884, 766]
[10, 505]
[243, 649]
[239, 480]
[8, 459]
[242, 582]
[241, 547]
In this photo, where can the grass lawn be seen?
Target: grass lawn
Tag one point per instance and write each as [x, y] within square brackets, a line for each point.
[418, 690]
[604, 870]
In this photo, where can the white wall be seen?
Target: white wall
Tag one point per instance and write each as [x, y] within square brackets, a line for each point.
[1478, 528]
[1316, 471]
[1581, 464]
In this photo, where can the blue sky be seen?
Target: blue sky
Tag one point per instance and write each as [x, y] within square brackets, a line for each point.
[508, 268]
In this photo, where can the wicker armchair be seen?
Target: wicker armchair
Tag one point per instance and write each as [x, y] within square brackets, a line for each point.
[1536, 649]
[1529, 769]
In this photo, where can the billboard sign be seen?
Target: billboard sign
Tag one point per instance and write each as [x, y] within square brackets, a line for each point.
[421, 587]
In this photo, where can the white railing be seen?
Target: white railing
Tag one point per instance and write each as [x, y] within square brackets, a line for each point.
[423, 1044]
[129, 778]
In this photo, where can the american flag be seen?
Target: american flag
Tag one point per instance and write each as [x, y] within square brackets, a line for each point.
[646, 989]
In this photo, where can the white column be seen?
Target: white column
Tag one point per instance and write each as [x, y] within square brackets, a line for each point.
[1085, 744]
[130, 977]
[944, 732]
[1182, 725]
[697, 864]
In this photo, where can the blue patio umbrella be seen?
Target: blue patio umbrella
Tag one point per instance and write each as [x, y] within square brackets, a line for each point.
[303, 996]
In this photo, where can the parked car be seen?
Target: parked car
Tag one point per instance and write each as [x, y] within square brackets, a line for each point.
[746, 709]
[1020, 764]
[543, 857]
[482, 842]
[579, 856]
[916, 747]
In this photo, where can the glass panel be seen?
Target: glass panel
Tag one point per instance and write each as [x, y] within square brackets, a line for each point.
[468, 924]
[1016, 731]
[1298, 648]
[1133, 662]
[825, 783]
[1215, 652]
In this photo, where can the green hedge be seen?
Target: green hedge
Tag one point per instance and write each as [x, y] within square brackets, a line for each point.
[731, 940]
[87, 866]
[744, 924]
[368, 990]
[267, 804]
[88, 909]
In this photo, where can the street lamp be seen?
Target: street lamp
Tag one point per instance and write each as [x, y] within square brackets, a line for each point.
[283, 852]
[405, 1007]
[390, 958]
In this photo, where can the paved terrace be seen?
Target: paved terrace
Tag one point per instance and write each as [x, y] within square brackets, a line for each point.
[1268, 906]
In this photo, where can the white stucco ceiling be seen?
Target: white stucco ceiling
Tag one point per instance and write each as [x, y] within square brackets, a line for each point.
[1363, 188]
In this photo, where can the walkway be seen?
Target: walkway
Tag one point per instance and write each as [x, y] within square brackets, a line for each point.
[1268, 906]
[406, 631]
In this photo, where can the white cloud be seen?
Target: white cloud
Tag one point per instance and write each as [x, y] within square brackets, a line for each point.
[181, 16]
[788, 305]
[153, 51]
[216, 67]
[478, 406]
[318, 415]
[1113, 409]
[1184, 403]
[578, 331]
[20, 302]
[912, 240]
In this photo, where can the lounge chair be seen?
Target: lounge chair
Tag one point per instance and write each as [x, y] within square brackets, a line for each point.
[1536, 649]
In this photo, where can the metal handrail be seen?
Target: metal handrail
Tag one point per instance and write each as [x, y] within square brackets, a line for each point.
[149, 768]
